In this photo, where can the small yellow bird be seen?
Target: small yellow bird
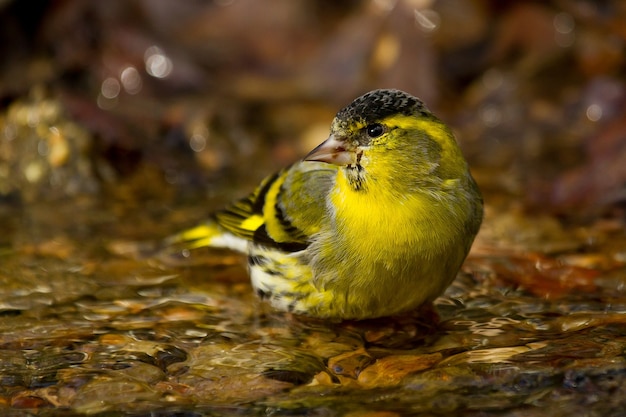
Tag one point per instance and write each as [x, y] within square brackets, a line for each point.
[375, 221]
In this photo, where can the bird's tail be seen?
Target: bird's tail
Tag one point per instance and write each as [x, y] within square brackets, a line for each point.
[177, 249]
[208, 234]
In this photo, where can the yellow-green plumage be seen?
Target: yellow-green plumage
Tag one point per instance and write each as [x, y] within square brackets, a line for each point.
[375, 221]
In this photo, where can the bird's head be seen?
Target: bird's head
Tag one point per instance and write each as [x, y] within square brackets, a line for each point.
[390, 136]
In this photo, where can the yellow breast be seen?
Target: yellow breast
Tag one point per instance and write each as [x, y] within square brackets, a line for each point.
[381, 224]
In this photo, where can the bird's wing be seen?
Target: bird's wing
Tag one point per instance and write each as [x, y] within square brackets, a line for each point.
[285, 210]
[233, 227]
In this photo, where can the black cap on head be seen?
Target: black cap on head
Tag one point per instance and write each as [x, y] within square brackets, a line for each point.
[378, 104]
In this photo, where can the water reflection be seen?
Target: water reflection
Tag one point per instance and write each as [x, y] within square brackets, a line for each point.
[92, 332]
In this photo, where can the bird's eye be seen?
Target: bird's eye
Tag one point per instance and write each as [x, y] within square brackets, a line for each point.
[375, 130]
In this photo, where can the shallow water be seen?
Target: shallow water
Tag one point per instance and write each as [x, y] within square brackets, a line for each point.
[83, 330]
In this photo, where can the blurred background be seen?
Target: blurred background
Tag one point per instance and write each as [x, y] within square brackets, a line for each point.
[123, 121]
[141, 101]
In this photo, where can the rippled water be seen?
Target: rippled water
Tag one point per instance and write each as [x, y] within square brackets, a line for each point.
[83, 330]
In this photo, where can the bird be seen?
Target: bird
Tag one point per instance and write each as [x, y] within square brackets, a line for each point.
[376, 221]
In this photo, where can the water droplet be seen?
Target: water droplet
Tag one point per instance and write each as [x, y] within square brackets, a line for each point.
[428, 20]
[131, 80]
[157, 63]
[42, 148]
[197, 142]
[110, 88]
[564, 23]
[594, 112]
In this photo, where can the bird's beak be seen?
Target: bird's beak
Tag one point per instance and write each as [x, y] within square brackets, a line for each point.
[332, 151]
